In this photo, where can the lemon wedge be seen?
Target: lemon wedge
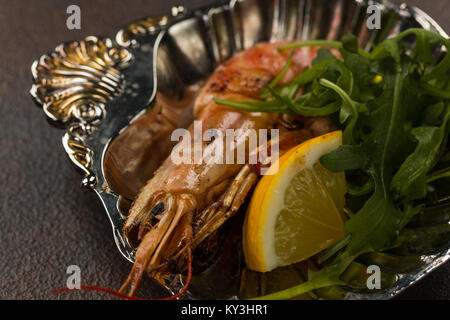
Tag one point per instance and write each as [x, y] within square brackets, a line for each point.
[296, 209]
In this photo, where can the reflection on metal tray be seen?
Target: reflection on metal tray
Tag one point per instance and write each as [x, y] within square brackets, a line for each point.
[95, 87]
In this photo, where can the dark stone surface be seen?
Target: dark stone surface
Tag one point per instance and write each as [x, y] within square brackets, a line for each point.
[47, 221]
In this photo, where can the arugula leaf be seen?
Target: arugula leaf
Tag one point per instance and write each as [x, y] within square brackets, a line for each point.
[441, 174]
[393, 107]
[346, 157]
[348, 110]
[255, 106]
[264, 94]
[432, 114]
[410, 180]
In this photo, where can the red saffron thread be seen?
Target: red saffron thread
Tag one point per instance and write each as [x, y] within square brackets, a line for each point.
[180, 294]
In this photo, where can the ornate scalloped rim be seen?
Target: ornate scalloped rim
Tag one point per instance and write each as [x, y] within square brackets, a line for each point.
[74, 83]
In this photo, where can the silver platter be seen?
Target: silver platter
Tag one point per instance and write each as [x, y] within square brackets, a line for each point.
[94, 88]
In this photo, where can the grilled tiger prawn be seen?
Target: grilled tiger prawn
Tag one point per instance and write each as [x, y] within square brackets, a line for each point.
[185, 203]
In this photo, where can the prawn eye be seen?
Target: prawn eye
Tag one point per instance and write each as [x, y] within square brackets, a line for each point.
[157, 210]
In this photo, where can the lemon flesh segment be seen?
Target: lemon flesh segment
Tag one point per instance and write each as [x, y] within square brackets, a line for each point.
[310, 220]
[296, 212]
